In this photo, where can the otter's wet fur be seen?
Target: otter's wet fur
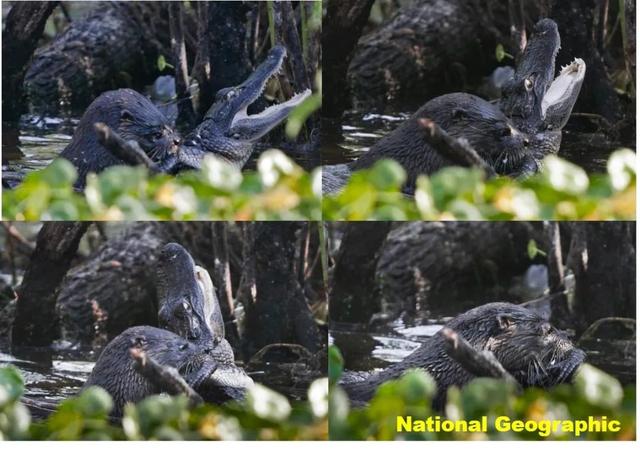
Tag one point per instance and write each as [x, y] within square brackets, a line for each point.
[528, 347]
[133, 117]
[485, 127]
[115, 372]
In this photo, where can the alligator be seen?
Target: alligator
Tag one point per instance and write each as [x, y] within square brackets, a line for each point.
[539, 104]
[228, 131]
[533, 103]
[189, 307]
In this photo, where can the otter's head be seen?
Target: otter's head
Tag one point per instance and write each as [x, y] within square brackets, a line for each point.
[228, 131]
[495, 138]
[133, 117]
[162, 346]
[531, 349]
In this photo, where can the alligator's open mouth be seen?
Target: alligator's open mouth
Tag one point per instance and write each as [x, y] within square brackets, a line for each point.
[522, 95]
[562, 94]
[533, 98]
[230, 108]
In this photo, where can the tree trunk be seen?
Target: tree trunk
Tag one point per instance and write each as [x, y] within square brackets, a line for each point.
[602, 259]
[448, 267]
[34, 323]
[352, 290]
[23, 28]
[186, 114]
[115, 45]
[280, 313]
[228, 54]
[427, 49]
[342, 28]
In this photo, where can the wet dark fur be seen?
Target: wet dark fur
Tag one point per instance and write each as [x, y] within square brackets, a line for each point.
[115, 372]
[486, 128]
[133, 117]
[532, 350]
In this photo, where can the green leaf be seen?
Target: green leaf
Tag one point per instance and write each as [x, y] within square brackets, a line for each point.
[532, 249]
[598, 387]
[336, 364]
[11, 385]
[162, 63]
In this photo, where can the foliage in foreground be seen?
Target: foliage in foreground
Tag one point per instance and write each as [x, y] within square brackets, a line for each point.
[562, 191]
[264, 415]
[281, 190]
[278, 190]
[594, 393]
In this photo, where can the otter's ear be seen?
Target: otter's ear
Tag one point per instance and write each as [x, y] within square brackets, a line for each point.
[458, 113]
[504, 321]
[126, 115]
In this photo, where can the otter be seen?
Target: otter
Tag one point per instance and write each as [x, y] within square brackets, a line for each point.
[528, 347]
[115, 371]
[482, 124]
[133, 117]
[191, 339]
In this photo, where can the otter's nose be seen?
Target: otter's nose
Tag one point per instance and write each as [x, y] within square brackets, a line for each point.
[176, 141]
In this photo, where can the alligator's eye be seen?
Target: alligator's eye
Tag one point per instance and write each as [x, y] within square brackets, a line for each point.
[528, 84]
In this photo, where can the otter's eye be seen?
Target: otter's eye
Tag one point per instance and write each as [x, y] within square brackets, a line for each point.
[506, 132]
[184, 346]
[158, 135]
[546, 329]
[186, 306]
[528, 84]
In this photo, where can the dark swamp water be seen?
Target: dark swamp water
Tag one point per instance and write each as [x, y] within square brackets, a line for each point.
[583, 142]
[388, 339]
[54, 374]
[38, 140]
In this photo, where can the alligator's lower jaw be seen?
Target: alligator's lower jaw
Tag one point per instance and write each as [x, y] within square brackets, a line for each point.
[565, 87]
[254, 126]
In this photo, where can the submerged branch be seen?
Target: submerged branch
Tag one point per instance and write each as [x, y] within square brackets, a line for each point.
[127, 150]
[478, 363]
[167, 379]
[456, 150]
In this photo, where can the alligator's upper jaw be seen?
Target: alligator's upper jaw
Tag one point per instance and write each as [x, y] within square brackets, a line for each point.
[252, 127]
[522, 96]
[175, 271]
[559, 99]
[234, 100]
